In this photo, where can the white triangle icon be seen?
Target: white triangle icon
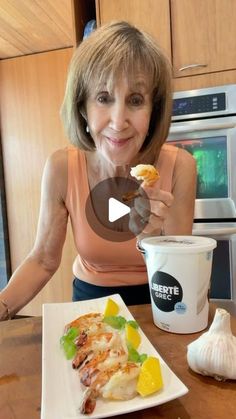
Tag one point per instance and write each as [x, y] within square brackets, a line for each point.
[116, 209]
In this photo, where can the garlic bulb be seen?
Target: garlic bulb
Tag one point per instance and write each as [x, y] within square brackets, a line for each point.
[214, 352]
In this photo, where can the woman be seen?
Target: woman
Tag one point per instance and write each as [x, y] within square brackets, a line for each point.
[116, 113]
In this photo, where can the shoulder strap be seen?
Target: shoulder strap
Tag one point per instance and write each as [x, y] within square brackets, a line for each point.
[77, 180]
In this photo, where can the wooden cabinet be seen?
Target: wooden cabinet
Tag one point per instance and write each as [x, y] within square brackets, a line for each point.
[150, 15]
[29, 27]
[203, 36]
[198, 36]
[32, 89]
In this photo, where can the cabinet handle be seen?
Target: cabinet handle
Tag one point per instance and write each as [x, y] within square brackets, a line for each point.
[187, 67]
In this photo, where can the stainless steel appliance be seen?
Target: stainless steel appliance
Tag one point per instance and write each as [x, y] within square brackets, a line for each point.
[204, 123]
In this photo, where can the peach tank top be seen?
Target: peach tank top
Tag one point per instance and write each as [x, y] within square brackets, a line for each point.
[99, 261]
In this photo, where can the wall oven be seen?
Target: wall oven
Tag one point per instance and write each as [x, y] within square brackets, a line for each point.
[204, 123]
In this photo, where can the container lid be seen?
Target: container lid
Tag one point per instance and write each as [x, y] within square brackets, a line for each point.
[178, 244]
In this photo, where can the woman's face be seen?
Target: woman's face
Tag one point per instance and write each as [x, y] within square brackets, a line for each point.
[118, 118]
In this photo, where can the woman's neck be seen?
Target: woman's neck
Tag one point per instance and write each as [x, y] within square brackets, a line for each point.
[101, 169]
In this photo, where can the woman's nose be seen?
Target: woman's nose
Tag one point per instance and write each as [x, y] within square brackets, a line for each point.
[118, 117]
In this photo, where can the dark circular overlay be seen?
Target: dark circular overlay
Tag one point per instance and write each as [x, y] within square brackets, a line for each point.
[97, 209]
[166, 291]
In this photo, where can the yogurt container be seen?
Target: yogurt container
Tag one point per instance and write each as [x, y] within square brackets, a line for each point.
[179, 272]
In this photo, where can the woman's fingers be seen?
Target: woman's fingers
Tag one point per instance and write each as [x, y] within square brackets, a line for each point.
[148, 215]
[154, 226]
[141, 226]
[157, 194]
[136, 223]
[142, 206]
[158, 206]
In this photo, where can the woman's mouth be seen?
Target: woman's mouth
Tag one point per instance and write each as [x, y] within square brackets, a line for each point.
[118, 142]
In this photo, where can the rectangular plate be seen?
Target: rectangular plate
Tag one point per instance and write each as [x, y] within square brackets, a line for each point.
[61, 389]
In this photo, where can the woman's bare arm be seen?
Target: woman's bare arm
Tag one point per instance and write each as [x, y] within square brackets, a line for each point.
[44, 259]
[181, 212]
[171, 213]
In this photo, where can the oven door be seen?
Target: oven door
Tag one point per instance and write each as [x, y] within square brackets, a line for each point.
[212, 142]
[223, 276]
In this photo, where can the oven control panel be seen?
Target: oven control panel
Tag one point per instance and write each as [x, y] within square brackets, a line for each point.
[199, 104]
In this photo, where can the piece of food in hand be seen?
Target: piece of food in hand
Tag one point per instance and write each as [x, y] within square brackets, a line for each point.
[145, 172]
[111, 308]
[150, 377]
[128, 196]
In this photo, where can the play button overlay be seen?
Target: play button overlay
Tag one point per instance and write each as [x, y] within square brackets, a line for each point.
[116, 210]
[110, 215]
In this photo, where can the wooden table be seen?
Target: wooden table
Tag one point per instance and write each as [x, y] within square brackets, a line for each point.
[20, 373]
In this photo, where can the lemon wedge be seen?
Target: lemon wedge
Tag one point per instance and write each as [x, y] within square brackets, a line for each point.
[111, 308]
[132, 336]
[150, 377]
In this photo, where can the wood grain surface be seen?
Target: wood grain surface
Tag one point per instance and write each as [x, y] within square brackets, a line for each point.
[20, 373]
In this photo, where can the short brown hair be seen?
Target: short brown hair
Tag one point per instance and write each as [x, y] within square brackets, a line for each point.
[108, 51]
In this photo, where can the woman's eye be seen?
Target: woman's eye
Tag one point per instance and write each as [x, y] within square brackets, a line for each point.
[103, 98]
[136, 100]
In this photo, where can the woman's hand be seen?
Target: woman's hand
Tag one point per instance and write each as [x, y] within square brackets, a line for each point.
[160, 212]
[150, 210]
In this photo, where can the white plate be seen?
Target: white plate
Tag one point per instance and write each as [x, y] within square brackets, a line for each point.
[61, 389]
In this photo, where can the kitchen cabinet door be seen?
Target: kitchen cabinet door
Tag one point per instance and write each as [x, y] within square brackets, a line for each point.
[203, 36]
[32, 90]
[152, 16]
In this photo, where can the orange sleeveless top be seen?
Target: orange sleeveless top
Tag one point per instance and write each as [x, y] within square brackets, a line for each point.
[99, 261]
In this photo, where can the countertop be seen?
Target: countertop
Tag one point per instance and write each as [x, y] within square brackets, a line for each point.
[20, 373]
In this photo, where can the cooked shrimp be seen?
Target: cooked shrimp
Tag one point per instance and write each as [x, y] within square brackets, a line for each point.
[117, 383]
[92, 344]
[91, 368]
[102, 361]
[122, 385]
[90, 395]
[145, 172]
[89, 323]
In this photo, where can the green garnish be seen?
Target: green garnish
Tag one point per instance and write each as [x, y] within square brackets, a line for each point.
[69, 349]
[117, 322]
[134, 356]
[72, 333]
[142, 358]
[67, 342]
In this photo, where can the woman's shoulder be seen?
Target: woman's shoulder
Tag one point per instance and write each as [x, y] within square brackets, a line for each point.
[174, 163]
[58, 159]
[55, 173]
[168, 148]
[167, 155]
